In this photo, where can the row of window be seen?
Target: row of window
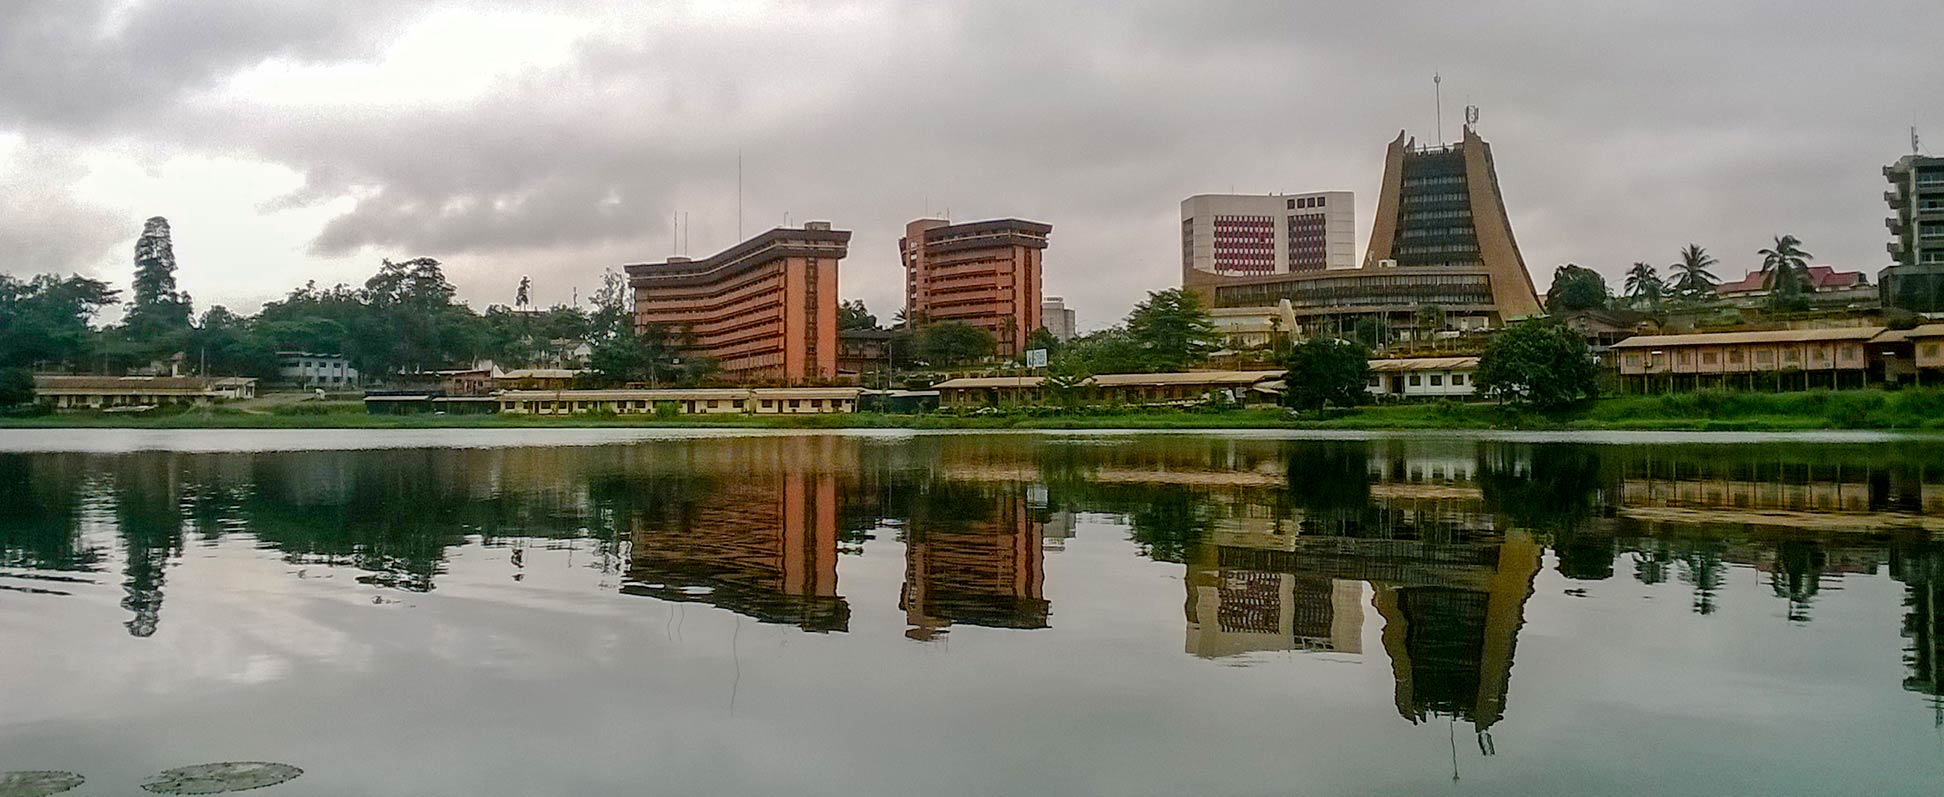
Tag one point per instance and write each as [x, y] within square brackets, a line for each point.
[1417, 380]
[1434, 181]
[1432, 199]
[1448, 214]
[1301, 202]
[1434, 232]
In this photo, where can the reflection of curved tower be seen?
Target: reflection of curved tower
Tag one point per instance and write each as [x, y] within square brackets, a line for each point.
[986, 573]
[762, 548]
[1450, 644]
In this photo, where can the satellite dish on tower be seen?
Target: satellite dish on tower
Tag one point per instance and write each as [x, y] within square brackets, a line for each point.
[1471, 115]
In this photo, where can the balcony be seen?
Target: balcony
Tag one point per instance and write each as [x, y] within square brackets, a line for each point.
[1894, 199]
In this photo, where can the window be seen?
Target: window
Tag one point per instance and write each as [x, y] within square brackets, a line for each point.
[1930, 349]
[1437, 380]
[712, 403]
[1735, 356]
[1457, 380]
[1416, 379]
[1633, 360]
[1376, 381]
[1764, 357]
[1291, 205]
[1710, 358]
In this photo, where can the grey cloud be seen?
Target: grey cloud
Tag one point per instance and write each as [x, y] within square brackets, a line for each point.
[1622, 132]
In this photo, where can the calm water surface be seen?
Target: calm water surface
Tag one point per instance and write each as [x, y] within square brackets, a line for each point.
[577, 613]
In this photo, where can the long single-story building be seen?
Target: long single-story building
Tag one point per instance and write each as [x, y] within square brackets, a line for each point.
[64, 392]
[698, 401]
[1427, 377]
[1166, 388]
[1834, 357]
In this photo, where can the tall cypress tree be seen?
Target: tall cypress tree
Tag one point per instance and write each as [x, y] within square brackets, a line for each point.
[158, 310]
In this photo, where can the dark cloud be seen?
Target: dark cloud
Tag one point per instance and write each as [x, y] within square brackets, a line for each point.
[1622, 132]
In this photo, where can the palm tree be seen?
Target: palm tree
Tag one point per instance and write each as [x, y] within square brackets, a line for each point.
[1787, 268]
[1695, 280]
[1644, 285]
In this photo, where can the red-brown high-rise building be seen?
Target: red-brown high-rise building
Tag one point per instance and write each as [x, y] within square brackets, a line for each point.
[765, 309]
[983, 273]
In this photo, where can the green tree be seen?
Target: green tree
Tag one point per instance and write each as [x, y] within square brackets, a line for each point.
[158, 313]
[1372, 332]
[1043, 339]
[1645, 286]
[949, 343]
[1173, 329]
[1695, 281]
[1786, 267]
[228, 344]
[851, 314]
[1577, 288]
[16, 387]
[44, 321]
[1540, 364]
[653, 355]
[1326, 372]
[1109, 351]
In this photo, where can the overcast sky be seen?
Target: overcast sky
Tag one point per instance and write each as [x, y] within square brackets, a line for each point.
[299, 141]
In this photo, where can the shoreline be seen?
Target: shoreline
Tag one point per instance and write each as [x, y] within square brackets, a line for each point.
[1390, 418]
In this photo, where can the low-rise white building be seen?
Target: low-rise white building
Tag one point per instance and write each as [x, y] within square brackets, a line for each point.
[310, 369]
[1426, 377]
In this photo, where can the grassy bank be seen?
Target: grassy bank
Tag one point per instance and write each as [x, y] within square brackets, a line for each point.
[1699, 411]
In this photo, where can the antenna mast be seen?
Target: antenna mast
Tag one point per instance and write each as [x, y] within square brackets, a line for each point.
[739, 233]
[1437, 89]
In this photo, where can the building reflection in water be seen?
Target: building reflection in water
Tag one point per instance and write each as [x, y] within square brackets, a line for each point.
[1284, 545]
[980, 561]
[758, 537]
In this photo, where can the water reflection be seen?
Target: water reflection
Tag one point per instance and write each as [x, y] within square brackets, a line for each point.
[1435, 547]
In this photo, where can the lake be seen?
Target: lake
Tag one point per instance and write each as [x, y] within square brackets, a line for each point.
[580, 612]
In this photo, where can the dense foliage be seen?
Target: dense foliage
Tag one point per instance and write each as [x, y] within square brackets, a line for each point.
[1575, 287]
[1539, 364]
[1173, 329]
[950, 343]
[1326, 372]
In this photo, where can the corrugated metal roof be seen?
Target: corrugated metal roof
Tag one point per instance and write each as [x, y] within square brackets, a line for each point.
[541, 373]
[1118, 380]
[669, 394]
[1925, 331]
[980, 382]
[1186, 378]
[62, 383]
[1425, 364]
[1732, 338]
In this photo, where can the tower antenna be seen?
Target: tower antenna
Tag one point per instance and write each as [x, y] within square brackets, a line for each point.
[1916, 144]
[1437, 90]
[739, 233]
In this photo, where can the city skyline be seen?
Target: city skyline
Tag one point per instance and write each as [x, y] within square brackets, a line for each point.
[298, 144]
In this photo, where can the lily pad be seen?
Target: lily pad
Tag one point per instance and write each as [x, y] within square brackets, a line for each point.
[221, 777]
[37, 783]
